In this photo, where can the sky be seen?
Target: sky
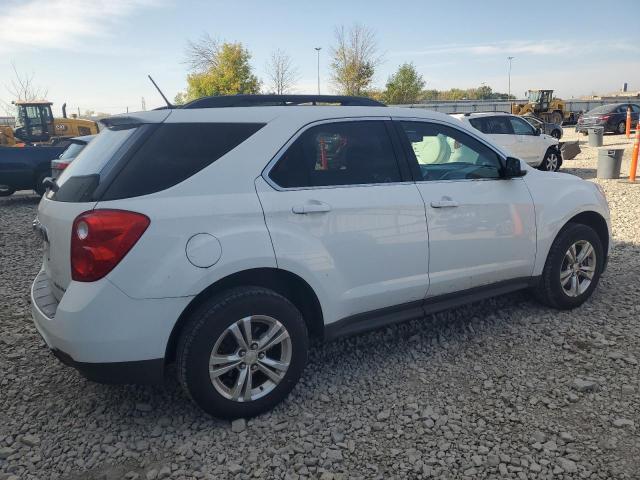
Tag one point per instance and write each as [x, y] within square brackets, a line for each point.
[96, 54]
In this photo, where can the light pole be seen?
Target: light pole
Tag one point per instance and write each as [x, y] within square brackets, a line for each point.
[510, 60]
[318, 50]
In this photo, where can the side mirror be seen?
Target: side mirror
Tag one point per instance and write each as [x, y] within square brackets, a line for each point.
[513, 168]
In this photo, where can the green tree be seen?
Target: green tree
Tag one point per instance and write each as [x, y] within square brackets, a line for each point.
[227, 73]
[404, 86]
[354, 59]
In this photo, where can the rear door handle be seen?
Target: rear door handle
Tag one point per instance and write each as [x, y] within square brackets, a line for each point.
[313, 206]
[444, 204]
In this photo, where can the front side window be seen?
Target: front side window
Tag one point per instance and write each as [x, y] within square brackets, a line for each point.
[338, 153]
[445, 153]
[497, 126]
[521, 127]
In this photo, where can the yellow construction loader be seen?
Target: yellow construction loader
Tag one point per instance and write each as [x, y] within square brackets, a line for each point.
[542, 105]
[35, 125]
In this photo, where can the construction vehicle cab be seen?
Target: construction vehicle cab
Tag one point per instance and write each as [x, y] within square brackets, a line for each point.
[542, 105]
[541, 99]
[35, 124]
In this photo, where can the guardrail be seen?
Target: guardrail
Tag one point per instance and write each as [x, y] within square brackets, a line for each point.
[471, 106]
[7, 121]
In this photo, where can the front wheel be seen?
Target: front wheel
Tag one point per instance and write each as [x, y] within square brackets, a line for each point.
[622, 128]
[572, 269]
[6, 191]
[552, 161]
[242, 352]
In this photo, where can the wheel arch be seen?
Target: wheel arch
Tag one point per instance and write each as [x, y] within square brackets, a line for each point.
[594, 220]
[287, 284]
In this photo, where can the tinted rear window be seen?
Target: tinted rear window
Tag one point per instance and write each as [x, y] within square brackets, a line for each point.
[602, 109]
[173, 152]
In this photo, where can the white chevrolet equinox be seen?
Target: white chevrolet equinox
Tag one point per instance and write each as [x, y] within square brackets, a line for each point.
[221, 236]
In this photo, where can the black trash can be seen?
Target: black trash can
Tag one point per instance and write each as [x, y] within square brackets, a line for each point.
[609, 162]
[596, 135]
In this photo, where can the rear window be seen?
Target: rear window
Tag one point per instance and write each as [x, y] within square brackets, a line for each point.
[172, 153]
[602, 109]
[72, 151]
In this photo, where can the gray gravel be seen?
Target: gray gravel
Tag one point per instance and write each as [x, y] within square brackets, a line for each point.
[500, 389]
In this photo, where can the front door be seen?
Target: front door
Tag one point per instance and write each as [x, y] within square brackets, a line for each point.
[481, 226]
[344, 215]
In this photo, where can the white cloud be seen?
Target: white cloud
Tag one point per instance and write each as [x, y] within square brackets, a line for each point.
[60, 24]
[518, 47]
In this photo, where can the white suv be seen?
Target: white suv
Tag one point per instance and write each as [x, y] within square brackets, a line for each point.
[222, 239]
[518, 137]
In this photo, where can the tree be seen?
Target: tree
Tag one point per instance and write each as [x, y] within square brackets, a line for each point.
[22, 87]
[354, 59]
[202, 54]
[227, 72]
[281, 72]
[404, 86]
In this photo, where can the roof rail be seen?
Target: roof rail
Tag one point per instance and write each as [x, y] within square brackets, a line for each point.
[280, 100]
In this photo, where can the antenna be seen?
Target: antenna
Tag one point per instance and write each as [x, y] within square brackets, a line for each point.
[160, 92]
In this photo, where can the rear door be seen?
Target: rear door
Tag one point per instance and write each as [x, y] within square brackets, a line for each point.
[532, 149]
[499, 129]
[344, 214]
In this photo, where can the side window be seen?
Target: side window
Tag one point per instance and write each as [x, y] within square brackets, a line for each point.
[622, 109]
[446, 153]
[478, 124]
[635, 108]
[339, 153]
[521, 127]
[497, 126]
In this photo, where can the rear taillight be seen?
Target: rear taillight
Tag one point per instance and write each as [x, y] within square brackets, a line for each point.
[59, 165]
[604, 118]
[100, 239]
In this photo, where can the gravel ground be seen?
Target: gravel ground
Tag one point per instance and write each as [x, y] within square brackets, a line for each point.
[499, 389]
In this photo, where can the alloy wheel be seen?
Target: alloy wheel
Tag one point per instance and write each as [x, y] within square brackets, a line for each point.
[250, 358]
[552, 162]
[578, 268]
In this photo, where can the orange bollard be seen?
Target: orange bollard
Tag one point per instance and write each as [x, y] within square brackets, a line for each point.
[634, 155]
[628, 122]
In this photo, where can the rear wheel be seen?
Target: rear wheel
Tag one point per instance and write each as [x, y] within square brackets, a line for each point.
[552, 161]
[572, 269]
[242, 352]
[622, 127]
[6, 191]
[556, 134]
[556, 117]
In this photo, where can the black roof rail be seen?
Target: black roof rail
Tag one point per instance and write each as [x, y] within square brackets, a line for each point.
[280, 100]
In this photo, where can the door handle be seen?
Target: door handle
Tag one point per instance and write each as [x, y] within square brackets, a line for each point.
[311, 207]
[444, 204]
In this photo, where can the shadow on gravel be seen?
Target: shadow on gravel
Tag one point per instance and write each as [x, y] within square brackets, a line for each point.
[584, 173]
[20, 200]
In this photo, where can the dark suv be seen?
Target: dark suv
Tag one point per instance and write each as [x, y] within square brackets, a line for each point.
[613, 117]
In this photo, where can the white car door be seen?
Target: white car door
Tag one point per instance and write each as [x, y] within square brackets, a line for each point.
[481, 226]
[533, 147]
[345, 215]
[498, 129]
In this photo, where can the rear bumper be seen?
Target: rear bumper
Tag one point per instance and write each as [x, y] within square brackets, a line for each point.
[104, 334]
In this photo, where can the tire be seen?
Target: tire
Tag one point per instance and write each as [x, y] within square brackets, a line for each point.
[556, 117]
[550, 289]
[552, 161]
[621, 128]
[39, 188]
[211, 327]
[6, 191]
[556, 134]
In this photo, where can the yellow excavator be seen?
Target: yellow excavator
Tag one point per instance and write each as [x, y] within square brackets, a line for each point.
[543, 105]
[35, 125]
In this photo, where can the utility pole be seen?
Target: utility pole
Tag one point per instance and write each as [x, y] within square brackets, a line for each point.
[318, 50]
[510, 60]
[144, 105]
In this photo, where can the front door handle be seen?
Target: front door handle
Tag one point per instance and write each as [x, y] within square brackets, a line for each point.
[312, 206]
[444, 204]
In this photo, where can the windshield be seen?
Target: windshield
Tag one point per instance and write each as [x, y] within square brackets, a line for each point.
[534, 96]
[72, 151]
[96, 154]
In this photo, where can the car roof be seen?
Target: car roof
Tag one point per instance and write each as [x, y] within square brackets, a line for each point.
[481, 114]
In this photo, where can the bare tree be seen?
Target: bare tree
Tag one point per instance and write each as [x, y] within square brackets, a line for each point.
[22, 87]
[282, 74]
[202, 54]
[355, 58]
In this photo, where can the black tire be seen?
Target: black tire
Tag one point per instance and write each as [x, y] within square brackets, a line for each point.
[6, 191]
[556, 117]
[552, 161]
[621, 128]
[39, 188]
[549, 289]
[556, 134]
[208, 323]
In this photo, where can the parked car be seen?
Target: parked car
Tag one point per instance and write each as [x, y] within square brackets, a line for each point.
[263, 227]
[76, 145]
[612, 117]
[24, 168]
[553, 129]
[518, 137]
